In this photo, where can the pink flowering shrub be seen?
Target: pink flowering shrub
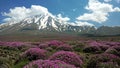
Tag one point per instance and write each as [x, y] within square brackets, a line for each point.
[117, 47]
[65, 47]
[54, 43]
[94, 43]
[91, 49]
[78, 47]
[104, 47]
[103, 58]
[12, 44]
[95, 47]
[48, 64]
[68, 57]
[107, 65]
[35, 53]
[112, 43]
[46, 47]
[43, 46]
[114, 50]
[15, 44]
[111, 51]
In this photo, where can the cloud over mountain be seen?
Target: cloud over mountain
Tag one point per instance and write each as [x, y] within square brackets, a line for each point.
[59, 16]
[19, 13]
[79, 23]
[98, 11]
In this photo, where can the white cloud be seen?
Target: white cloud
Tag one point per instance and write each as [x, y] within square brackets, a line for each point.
[76, 23]
[97, 17]
[19, 13]
[98, 12]
[59, 16]
[83, 23]
[116, 9]
[79, 23]
[107, 0]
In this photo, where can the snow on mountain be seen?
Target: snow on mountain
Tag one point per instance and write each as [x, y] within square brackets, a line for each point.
[45, 21]
[38, 19]
[42, 20]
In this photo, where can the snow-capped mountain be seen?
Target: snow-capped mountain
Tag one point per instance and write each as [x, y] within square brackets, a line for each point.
[42, 22]
[49, 23]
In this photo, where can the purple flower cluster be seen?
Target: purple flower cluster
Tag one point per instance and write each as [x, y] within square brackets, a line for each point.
[48, 64]
[109, 57]
[12, 44]
[99, 43]
[95, 46]
[43, 46]
[54, 43]
[65, 47]
[116, 47]
[103, 58]
[67, 57]
[94, 43]
[35, 53]
[104, 47]
[91, 49]
[112, 43]
[114, 50]
[107, 65]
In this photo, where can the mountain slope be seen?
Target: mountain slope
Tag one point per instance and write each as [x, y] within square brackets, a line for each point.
[44, 22]
[106, 30]
[48, 23]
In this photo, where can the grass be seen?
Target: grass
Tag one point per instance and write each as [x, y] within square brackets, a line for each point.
[21, 63]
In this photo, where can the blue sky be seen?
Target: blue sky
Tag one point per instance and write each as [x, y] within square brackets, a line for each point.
[107, 12]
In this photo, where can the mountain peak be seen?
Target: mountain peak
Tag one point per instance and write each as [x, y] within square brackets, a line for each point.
[43, 22]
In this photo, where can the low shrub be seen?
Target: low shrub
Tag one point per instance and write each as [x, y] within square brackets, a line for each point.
[43, 46]
[91, 49]
[64, 47]
[107, 65]
[78, 47]
[35, 53]
[104, 47]
[54, 44]
[114, 50]
[68, 57]
[48, 64]
[103, 58]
